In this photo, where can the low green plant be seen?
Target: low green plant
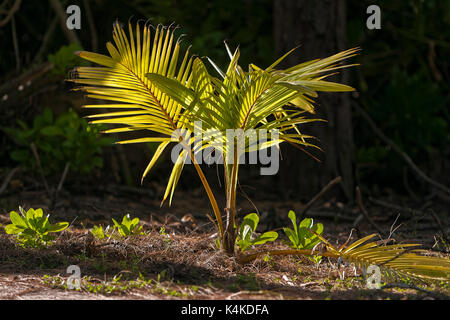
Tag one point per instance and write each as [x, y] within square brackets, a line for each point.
[245, 237]
[59, 140]
[301, 236]
[166, 236]
[162, 231]
[32, 228]
[99, 233]
[64, 60]
[128, 226]
[125, 229]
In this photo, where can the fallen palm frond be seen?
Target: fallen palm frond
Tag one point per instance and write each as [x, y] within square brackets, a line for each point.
[396, 261]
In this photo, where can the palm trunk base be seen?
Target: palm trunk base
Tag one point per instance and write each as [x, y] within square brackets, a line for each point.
[229, 236]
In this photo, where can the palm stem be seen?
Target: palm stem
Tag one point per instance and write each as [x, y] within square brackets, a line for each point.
[231, 174]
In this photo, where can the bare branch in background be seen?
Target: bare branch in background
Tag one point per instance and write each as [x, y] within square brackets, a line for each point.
[61, 14]
[10, 13]
[7, 179]
[46, 40]
[41, 171]
[399, 151]
[54, 198]
[319, 195]
[90, 19]
[15, 44]
[364, 211]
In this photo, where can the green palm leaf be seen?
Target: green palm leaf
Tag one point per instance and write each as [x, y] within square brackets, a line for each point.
[397, 260]
[258, 99]
[122, 79]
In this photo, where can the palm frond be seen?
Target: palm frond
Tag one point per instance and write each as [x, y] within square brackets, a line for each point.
[267, 99]
[397, 260]
[121, 78]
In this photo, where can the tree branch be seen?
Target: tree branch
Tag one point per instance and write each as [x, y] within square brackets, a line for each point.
[364, 211]
[11, 13]
[397, 149]
[61, 14]
[319, 195]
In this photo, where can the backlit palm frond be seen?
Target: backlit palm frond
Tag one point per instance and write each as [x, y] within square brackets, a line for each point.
[295, 87]
[121, 78]
[267, 99]
[273, 99]
[398, 261]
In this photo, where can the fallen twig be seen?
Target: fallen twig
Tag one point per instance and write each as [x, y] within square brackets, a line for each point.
[319, 195]
[27, 76]
[243, 259]
[61, 182]
[329, 215]
[392, 229]
[440, 226]
[364, 211]
[38, 161]
[385, 204]
[7, 179]
[63, 177]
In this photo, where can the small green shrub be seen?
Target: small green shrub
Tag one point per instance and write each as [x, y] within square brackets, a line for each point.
[99, 233]
[301, 237]
[32, 228]
[248, 227]
[163, 233]
[128, 226]
[66, 139]
[64, 59]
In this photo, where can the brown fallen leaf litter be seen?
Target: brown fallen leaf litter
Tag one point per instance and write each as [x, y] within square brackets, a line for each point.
[182, 262]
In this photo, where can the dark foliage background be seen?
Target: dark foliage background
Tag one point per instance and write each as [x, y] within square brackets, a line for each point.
[403, 81]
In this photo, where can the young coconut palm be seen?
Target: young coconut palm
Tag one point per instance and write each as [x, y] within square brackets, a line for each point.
[143, 76]
[169, 98]
[236, 107]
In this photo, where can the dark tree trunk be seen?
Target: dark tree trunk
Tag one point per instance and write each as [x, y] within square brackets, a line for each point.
[319, 27]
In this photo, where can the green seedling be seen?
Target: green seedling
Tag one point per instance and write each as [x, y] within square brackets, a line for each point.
[163, 233]
[99, 233]
[128, 227]
[248, 227]
[32, 228]
[302, 237]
